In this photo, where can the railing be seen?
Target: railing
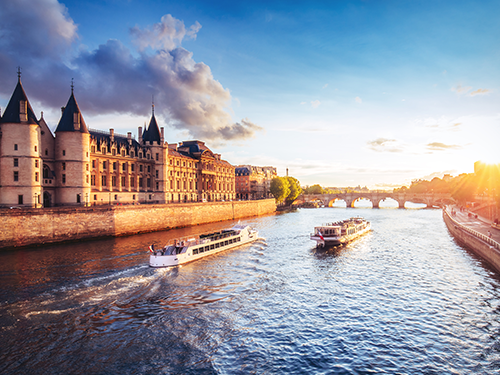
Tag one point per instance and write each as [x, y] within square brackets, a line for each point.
[475, 233]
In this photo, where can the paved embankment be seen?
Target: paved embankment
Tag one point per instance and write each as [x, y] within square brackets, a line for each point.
[476, 233]
[26, 227]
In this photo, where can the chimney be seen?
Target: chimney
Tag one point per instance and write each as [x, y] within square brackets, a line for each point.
[62, 110]
[129, 137]
[140, 133]
[112, 134]
[162, 135]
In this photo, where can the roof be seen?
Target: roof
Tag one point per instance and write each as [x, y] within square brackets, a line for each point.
[11, 113]
[67, 122]
[152, 134]
[104, 137]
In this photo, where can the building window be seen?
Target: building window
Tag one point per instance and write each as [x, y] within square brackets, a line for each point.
[63, 178]
[36, 176]
[113, 180]
[16, 176]
[16, 162]
[92, 149]
[149, 169]
[92, 180]
[140, 168]
[171, 162]
[20, 199]
[140, 155]
[15, 149]
[116, 197]
[93, 163]
[157, 156]
[63, 166]
[157, 186]
[124, 167]
[132, 184]
[36, 163]
[46, 152]
[157, 173]
[87, 179]
[148, 182]
[95, 197]
[132, 167]
[148, 156]
[123, 152]
[87, 166]
[132, 154]
[114, 166]
[64, 152]
[103, 165]
[123, 181]
[78, 195]
[133, 197]
[36, 149]
[103, 180]
[140, 182]
[113, 152]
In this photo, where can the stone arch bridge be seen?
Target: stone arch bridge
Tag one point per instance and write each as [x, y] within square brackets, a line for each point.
[429, 199]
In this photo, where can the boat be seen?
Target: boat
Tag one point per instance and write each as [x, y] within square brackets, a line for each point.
[185, 250]
[340, 232]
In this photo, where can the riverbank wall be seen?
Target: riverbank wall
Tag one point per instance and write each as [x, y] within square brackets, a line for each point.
[29, 227]
[484, 247]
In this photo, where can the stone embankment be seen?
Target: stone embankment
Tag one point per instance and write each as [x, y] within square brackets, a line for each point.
[28, 227]
[476, 234]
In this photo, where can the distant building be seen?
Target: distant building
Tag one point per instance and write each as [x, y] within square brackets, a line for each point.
[81, 166]
[253, 182]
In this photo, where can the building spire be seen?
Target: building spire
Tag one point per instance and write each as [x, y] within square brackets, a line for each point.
[19, 73]
[72, 86]
[153, 104]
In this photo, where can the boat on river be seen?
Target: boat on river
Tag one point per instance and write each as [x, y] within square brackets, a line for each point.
[340, 232]
[186, 250]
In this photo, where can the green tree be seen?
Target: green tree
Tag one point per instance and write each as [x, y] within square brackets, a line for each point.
[295, 190]
[280, 188]
[314, 189]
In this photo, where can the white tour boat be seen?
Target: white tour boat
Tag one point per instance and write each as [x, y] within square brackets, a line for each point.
[186, 250]
[340, 232]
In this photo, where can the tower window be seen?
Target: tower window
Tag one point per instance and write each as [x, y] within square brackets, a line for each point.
[16, 176]
[36, 148]
[46, 152]
[36, 176]
[157, 156]
[36, 163]
[15, 147]
[64, 152]
[20, 199]
[63, 166]
[16, 162]
[63, 178]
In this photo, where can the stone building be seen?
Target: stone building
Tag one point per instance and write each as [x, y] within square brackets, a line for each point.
[80, 166]
[253, 182]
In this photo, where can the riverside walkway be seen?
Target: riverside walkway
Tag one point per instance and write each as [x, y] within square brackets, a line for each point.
[475, 222]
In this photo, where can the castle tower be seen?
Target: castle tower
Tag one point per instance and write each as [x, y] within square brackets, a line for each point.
[20, 162]
[72, 156]
[153, 139]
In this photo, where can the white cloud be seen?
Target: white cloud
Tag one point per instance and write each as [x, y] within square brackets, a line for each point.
[315, 103]
[358, 99]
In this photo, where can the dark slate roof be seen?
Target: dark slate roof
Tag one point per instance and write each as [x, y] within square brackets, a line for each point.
[66, 122]
[152, 134]
[105, 138]
[242, 171]
[11, 113]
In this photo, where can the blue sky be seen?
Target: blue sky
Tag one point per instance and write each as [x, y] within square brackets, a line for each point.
[342, 93]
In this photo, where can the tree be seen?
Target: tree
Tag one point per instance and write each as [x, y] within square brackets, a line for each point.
[295, 190]
[314, 189]
[280, 188]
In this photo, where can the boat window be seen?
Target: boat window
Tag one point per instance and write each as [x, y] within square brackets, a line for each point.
[212, 246]
[226, 242]
[195, 251]
[207, 248]
[217, 245]
[238, 239]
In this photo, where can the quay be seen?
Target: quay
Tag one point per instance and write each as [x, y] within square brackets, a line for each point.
[476, 233]
[32, 227]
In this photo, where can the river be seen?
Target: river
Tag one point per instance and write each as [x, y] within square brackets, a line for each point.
[403, 299]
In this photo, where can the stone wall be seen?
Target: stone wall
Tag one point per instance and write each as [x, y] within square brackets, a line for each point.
[478, 246]
[25, 227]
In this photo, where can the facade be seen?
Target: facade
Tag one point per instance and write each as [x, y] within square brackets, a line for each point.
[254, 182]
[81, 166]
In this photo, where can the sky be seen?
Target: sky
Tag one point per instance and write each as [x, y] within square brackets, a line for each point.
[340, 93]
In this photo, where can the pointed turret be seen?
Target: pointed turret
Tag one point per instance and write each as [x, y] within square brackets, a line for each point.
[19, 109]
[72, 119]
[152, 133]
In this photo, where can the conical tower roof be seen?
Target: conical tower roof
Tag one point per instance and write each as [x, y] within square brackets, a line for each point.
[12, 112]
[152, 134]
[72, 119]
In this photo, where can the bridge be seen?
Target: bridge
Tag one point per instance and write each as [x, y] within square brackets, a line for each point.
[429, 199]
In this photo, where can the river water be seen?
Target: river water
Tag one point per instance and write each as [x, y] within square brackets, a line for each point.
[403, 299]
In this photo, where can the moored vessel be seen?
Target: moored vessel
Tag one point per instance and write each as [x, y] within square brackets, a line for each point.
[186, 250]
[340, 232]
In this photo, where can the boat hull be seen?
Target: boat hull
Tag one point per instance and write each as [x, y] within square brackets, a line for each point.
[339, 240]
[189, 254]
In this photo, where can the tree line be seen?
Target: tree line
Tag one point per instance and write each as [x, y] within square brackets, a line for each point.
[285, 189]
